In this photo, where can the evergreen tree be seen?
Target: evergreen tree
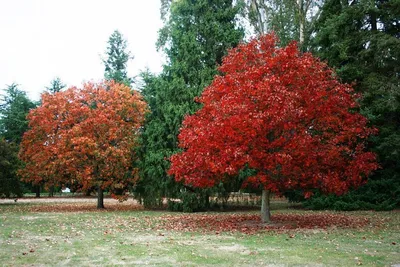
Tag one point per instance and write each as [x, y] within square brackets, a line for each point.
[117, 59]
[56, 85]
[196, 36]
[14, 107]
[361, 40]
[9, 163]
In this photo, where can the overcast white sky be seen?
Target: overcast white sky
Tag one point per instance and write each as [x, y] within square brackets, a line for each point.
[42, 39]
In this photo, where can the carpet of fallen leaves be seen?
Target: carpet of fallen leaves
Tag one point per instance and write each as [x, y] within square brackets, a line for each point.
[239, 222]
[251, 223]
[83, 207]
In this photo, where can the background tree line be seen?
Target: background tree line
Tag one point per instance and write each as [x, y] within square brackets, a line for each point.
[359, 39]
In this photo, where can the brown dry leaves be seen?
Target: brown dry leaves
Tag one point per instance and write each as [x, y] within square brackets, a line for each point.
[251, 224]
[84, 207]
[241, 222]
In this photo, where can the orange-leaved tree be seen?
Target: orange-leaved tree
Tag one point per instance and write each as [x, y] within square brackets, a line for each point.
[87, 136]
[284, 115]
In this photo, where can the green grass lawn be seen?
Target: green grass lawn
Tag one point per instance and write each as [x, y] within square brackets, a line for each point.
[59, 235]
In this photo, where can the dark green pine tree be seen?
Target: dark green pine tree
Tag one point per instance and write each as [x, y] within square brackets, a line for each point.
[56, 85]
[117, 58]
[360, 39]
[196, 36]
[9, 164]
[14, 107]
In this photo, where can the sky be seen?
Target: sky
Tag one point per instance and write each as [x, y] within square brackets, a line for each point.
[44, 39]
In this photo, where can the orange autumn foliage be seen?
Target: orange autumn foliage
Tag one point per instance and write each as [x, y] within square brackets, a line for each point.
[84, 136]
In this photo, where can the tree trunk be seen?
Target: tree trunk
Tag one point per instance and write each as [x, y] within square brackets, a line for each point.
[301, 14]
[100, 198]
[207, 200]
[256, 9]
[37, 191]
[373, 19]
[265, 207]
[51, 191]
[301, 37]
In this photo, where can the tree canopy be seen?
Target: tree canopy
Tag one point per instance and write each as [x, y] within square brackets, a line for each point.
[361, 41]
[117, 59]
[56, 85]
[9, 164]
[281, 113]
[85, 136]
[14, 107]
[289, 19]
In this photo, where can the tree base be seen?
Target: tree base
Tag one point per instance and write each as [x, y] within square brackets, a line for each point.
[100, 198]
[265, 207]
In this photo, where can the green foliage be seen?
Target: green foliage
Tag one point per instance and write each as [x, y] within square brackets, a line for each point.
[56, 85]
[14, 107]
[9, 163]
[361, 40]
[196, 36]
[294, 196]
[365, 198]
[117, 59]
[190, 201]
[284, 21]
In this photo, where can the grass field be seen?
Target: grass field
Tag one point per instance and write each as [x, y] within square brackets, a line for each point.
[72, 232]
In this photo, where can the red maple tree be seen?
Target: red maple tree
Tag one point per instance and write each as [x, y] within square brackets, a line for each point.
[282, 113]
[85, 136]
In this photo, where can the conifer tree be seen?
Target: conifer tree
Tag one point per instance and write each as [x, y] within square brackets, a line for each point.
[14, 107]
[56, 85]
[361, 40]
[9, 163]
[196, 36]
[117, 59]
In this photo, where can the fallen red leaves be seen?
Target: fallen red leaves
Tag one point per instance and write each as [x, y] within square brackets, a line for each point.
[79, 207]
[217, 223]
[251, 223]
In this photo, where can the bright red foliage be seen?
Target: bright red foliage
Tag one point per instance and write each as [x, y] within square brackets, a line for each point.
[282, 113]
[84, 136]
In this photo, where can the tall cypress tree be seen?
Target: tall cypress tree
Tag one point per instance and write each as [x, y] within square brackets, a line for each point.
[196, 36]
[361, 40]
[117, 59]
[9, 164]
[56, 85]
[14, 107]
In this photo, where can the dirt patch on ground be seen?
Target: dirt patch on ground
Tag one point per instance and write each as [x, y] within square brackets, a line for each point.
[81, 207]
[32, 200]
[70, 204]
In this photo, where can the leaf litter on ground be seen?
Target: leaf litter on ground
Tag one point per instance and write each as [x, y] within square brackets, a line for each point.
[251, 223]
